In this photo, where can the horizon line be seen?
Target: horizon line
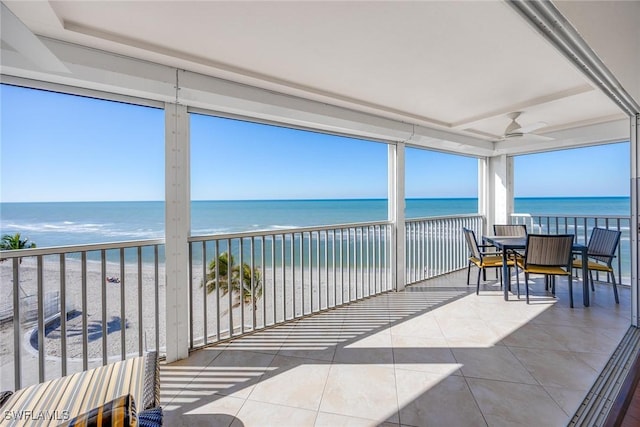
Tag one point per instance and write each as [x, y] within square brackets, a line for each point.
[315, 199]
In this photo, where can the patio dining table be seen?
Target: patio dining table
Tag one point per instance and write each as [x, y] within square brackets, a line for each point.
[511, 244]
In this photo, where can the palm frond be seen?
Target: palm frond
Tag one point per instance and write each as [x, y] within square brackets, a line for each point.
[225, 274]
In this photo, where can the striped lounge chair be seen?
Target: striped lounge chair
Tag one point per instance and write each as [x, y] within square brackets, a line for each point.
[104, 396]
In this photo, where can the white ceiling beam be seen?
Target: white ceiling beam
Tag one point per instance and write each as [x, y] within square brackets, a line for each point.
[435, 139]
[217, 95]
[93, 69]
[103, 71]
[254, 78]
[15, 34]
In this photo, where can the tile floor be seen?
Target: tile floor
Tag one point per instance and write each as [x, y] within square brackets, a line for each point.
[436, 354]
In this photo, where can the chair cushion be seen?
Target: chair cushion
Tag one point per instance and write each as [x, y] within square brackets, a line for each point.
[543, 269]
[120, 412]
[475, 260]
[493, 261]
[591, 265]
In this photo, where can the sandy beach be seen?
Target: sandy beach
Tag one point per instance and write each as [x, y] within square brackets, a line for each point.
[130, 283]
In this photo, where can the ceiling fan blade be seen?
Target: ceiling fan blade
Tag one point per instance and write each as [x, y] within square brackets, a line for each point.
[532, 127]
[513, 127]
[527, 137]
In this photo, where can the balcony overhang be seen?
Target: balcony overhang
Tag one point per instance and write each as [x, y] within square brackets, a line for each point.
[436, 75]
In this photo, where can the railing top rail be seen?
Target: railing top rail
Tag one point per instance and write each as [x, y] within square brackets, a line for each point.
[257, 233]
[571, 216]
[435, 218]
[56, 250]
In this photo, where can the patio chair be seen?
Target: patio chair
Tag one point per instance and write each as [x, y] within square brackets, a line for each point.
[601, 251]
[482, 259]
[515, 230]
[549, 255]
[510, 230]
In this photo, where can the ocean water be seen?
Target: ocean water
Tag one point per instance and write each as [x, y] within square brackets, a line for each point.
[71, 223]
[593, 206]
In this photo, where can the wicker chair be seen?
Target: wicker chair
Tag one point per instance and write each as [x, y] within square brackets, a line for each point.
[601, 251]
[511, 230]
[549, 255]
[481, 259]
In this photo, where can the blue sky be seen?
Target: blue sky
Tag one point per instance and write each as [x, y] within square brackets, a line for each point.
[66, 148]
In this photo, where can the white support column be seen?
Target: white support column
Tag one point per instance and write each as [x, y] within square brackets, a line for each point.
[483, 190]
[509, 202]
[495, 189]
[396, 195]
[177, 230]
[635, 220]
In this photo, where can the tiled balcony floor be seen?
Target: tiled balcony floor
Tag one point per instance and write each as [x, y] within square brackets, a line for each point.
[436, 355]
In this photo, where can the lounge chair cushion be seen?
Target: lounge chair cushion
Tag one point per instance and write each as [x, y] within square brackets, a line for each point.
[119, 412]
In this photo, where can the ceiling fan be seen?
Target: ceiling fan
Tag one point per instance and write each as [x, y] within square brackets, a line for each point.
[516, 131]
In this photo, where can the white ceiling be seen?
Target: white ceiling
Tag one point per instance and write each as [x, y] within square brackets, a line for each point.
[459, 66]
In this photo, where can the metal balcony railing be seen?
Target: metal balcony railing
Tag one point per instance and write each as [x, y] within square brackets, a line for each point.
[285, 274]
[581, 226]
[67, 309]
[436, 246]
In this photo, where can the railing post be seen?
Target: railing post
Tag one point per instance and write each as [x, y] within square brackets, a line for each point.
[177, 226]
[396, 192]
